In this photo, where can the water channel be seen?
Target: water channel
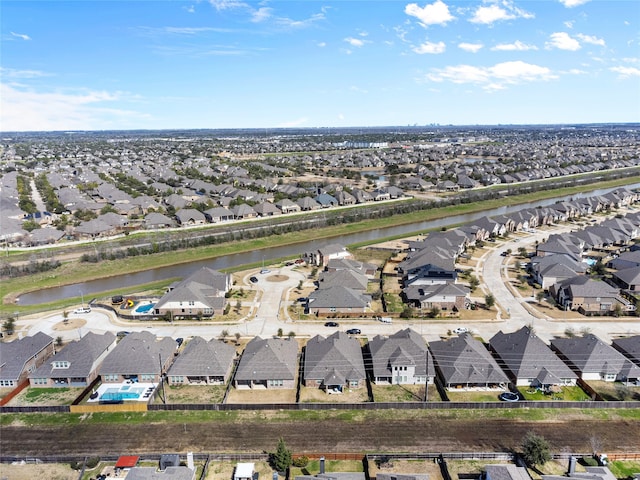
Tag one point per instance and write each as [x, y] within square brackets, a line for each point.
[87, 289]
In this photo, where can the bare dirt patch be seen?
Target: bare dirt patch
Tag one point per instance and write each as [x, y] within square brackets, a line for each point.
[225, 470]
[69, 324]
[396, 466]
[188, 394]
[30, 471]
[277, 278]
[315, 395]
[262, 395]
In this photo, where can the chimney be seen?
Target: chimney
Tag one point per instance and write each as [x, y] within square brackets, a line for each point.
[321, 465]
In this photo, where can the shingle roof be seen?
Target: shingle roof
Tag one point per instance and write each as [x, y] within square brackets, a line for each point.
[339, 353]
[14, 355]
[403, 346]
[464, 360]
[526, 356]
[267, 359]
[200, 357]
[138, 353]
[81, 355]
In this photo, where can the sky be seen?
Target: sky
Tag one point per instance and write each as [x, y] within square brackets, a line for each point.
[121, 65]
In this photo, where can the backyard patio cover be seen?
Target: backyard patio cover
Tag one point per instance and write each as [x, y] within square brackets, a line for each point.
[127, 461]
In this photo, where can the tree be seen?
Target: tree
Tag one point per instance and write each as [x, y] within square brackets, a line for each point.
[535, 449]
[58, 341]
[473, 282]
[489, 300]
[223, 335]
[540, 296]
[238, 336]
[9, 326]
[522, 252]
[282, 458]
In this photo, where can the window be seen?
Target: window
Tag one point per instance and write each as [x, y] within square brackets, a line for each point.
[276, 383]
[61, 364]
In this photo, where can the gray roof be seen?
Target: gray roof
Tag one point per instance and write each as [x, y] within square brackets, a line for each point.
[405, 345]
[526, 356]
[14, 355]
[506, 472]
[630, 347]
[630, 276]
[338, 297]
[204, 285]
[201, 358]
[589, 354]
[345, 278]
[138, 353]
[81, 355]
[339, 353]
[464, 359]
[268, 359]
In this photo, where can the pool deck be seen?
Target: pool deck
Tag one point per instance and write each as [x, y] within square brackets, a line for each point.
[146, 388]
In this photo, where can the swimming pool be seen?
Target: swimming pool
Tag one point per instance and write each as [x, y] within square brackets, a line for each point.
[122, 393]
[144, 308]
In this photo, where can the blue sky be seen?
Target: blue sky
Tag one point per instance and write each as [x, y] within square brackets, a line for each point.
[242, 64]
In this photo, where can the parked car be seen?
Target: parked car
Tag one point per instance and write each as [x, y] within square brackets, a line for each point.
[253, 279]
[460, 330]
[509, 397]
[302, 299]
[354, 331]
[265, 270]
[82, 310]
[331, 324]
[179, 341]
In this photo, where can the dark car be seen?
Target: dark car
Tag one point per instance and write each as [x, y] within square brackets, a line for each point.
[253, 279]
[331, 324]
[354, 331]
[179, 341]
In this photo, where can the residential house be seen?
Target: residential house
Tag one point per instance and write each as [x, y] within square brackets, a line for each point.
[268, 363]
[202, 362]
[402, 358]
[288, 206]
[592, 359]
[345, 278]
[190, 217]
[337, 299]
[23, 356]
[76, 365]
[170, 473]
[322, 256]
[267, 209]
[307, 204]
[138, 357]
[629, 347]
[447, 297]
[529, 361]
[625, 260]
[244, 211]
[464, 362]
[158, 220]
[325, 200]
[552, 269]
[334, 363]
[201, 293]
[589, 296]
[219, 214]
[336, 264]
[627, 279]
[427, 266]
[507, 471]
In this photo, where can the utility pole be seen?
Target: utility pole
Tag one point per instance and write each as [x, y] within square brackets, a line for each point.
[426, 382]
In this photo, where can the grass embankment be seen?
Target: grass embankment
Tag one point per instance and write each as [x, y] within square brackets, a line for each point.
[80, 272]
[354, 416]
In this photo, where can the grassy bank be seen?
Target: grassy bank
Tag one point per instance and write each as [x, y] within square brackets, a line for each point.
[75, 272]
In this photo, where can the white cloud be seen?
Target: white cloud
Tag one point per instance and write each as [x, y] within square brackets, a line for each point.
[488, 15]
[354, 42]
[626, 72]
[21, 36]
[515, 46]
[294, 123]
[568, 24]
[590, 39]
[190, 9]
[562, 41]
[497, 77]
[227, 4]
[572, 3]
[322, 44]
[13, 73]
[435, 14]
[261, 15]
[470, 47]
[29, 110]
[430, 47]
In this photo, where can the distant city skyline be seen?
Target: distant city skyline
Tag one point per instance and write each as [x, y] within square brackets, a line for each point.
[121, 65]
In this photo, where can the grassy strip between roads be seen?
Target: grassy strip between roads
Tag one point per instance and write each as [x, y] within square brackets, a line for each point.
[75, 272]
[260, 416]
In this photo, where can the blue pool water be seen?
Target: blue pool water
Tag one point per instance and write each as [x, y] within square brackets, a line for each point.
[144, 308]
[119, 394]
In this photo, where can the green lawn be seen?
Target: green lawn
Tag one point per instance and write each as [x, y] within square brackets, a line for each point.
[624, 469]
[573, 393]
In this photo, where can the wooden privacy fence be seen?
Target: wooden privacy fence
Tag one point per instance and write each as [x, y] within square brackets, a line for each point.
[109, 408]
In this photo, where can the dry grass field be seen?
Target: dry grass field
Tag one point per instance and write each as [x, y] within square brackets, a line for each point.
[194, 393]
[407, 467]
[313, 395]
[31, 471]
[262, 395]
[45, 396]
[225, 470]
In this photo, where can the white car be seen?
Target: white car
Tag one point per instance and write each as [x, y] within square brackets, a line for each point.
[460, 330]
[82, 310]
